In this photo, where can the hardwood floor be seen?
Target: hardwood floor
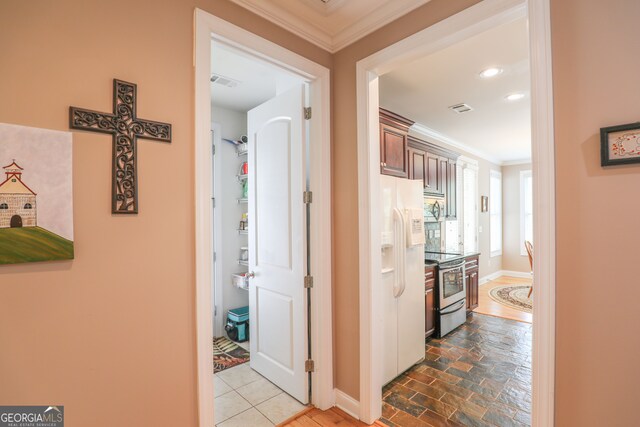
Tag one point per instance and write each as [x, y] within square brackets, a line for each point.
[488, 306]
[314, 417]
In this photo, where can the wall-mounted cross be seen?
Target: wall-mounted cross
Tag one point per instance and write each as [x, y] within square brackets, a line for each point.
[126, 128]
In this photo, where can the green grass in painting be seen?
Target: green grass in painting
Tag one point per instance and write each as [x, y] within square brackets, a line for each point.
[31, 244]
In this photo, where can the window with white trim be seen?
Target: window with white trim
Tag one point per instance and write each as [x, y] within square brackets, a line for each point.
[526, 209]
[495, 212]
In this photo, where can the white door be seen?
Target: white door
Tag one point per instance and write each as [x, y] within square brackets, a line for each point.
[277, 241]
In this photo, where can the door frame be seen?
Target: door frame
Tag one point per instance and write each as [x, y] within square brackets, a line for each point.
[480, 17]
[207, 28]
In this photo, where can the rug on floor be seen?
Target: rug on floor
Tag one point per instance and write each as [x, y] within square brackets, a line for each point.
[227, 354]
[514, 296]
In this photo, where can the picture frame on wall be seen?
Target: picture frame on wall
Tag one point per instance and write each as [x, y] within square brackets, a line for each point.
[484, 203]
[620, 145]
[36, 195]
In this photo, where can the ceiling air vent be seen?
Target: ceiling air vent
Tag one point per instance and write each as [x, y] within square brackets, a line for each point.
[461, 108]
[224, 81]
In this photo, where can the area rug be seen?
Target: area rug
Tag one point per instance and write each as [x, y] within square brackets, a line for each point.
[514, 296]
[227, 354]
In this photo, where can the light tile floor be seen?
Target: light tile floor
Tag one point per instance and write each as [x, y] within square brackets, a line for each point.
[245, 398]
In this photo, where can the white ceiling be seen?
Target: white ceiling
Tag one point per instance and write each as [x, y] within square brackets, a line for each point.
[257, 81]
[496, 129]
[331, 24]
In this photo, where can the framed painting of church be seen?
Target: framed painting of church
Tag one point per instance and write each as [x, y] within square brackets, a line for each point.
[36, 195]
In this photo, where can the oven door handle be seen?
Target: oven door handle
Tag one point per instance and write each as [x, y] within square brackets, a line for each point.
[460, 304]
[452, 267]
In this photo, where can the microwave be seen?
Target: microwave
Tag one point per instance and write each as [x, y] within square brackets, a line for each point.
[434, 209]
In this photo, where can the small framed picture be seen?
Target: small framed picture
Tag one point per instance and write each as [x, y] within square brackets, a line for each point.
[620, 145]
[484, 203]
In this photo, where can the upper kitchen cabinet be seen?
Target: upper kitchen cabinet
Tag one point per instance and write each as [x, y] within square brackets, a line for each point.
[439, 173]
[432, 183]
[443, 181]
[394, 155]
[406, 156]
[417, 164]
[452, 177]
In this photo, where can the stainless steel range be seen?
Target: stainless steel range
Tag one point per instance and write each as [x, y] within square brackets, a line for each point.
[451, 290]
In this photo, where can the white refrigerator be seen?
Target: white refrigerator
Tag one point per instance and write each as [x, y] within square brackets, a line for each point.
[402, 274]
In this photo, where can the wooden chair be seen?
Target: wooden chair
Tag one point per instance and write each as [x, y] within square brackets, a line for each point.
[529, 247]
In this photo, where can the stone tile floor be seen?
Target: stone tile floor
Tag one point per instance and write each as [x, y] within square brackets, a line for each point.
[478, 375]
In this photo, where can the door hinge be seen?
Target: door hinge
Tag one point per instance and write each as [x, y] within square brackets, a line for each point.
[309, 366]
[213, 149]
[307, 113]
[307, 197]
[308, 282]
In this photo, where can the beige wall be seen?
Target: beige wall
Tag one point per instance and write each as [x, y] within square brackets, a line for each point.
[110, 335]
[595, 84]
[115, 327]
[512, 260]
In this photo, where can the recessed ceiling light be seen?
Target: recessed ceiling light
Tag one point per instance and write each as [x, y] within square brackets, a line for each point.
[490, 72]
[514, 96]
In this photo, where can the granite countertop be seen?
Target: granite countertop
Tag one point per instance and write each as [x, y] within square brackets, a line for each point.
[431, 259]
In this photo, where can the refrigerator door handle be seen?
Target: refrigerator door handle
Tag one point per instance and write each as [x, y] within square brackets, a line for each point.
[401, 253]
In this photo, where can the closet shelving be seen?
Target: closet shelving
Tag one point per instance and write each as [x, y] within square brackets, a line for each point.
[240, 280]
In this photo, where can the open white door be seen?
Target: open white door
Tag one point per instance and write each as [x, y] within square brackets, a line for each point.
[277, 241]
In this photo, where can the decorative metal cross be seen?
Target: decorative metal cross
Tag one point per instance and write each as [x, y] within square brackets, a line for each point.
[126, 128]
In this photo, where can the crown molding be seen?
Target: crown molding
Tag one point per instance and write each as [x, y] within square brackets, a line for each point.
[437, 136]
[290, 22]
[516, 162]
[311, 31]
[373, 21]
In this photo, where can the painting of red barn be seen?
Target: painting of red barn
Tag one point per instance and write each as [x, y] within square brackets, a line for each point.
[36, 196]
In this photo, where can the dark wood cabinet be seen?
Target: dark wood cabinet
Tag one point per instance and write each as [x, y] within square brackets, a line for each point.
[443, 172]
[452, 177]
[429, 300]
[472, 282]
[394, 158]
[432, 172]
[406, 156]
[417, 164]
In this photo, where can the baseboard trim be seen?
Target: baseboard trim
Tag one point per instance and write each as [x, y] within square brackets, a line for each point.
[347, 403]
[489, 277]
[519, 274]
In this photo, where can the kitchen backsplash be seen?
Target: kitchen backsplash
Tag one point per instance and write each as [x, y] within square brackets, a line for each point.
[433, 237]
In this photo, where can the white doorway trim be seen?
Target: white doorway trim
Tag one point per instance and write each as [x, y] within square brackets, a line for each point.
[207, 28]
[478, 18]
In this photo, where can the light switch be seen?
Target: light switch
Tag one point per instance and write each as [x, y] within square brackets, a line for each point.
[480, 229]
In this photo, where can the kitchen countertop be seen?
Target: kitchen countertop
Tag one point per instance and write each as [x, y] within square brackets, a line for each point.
[433, 259]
